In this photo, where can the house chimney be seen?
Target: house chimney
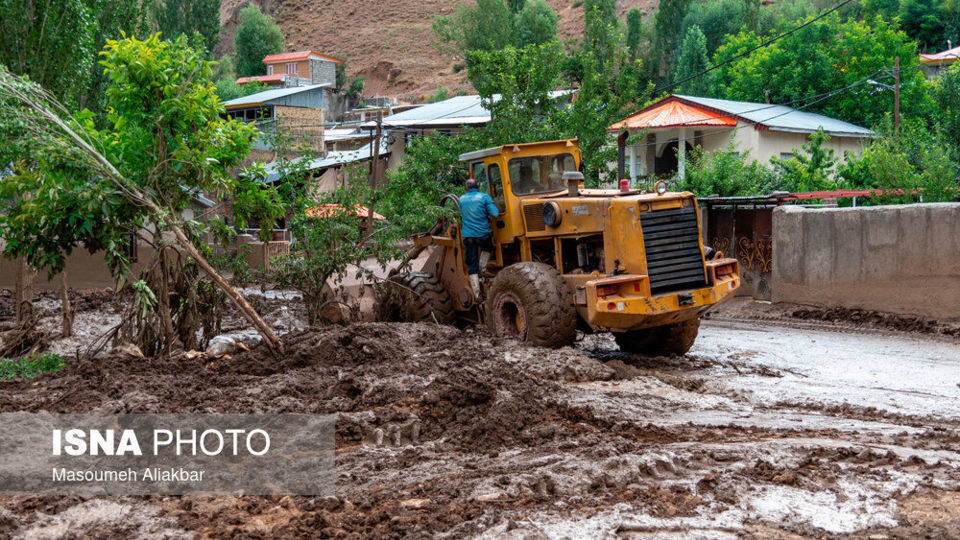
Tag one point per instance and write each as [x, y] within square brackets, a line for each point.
[573, 179]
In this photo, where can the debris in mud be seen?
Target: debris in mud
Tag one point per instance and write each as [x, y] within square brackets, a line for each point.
[449, 432]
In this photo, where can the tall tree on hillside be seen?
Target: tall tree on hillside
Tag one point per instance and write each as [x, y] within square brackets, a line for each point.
[257, 36]
[719, 18]
[634, 31]
[666, 41]
[51, 42]
[535, 24]
[693, 60]
[175, 18]
[601, 31]
[486, 26]
[115, 18]
[925, 21]
[516, 6]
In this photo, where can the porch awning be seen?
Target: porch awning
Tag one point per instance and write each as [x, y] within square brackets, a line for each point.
[671, 113]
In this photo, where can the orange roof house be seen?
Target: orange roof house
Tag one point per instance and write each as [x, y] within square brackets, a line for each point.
[297, 68]
[937, 63]
[674, 125]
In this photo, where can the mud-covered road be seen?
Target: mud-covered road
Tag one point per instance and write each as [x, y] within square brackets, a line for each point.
[767, 429]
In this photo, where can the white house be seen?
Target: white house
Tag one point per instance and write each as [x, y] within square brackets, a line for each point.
[675, 124]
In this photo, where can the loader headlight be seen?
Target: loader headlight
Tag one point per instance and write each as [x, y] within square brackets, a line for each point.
[661, 187]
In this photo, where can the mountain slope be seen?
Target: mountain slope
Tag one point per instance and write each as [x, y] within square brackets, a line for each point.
[390, 42]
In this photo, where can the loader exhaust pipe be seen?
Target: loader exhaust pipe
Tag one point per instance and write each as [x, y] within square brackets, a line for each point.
[573, 179]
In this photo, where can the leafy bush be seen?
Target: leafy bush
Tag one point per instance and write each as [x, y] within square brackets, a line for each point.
[917, 160]
[810, 169]
[30, 366]
[726, 173]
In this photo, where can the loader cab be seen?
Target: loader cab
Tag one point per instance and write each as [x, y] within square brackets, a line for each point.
[515, 172]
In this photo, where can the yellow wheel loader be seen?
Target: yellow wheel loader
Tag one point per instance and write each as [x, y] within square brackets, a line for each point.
[566, 258]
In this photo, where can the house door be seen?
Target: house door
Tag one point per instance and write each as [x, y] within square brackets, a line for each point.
[666, 163]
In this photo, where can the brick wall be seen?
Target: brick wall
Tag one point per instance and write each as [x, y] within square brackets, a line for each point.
[303, 123]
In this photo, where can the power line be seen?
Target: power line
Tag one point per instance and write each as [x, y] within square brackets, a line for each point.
[748, 51]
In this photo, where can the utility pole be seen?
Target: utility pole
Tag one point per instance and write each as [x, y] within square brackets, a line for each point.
[375, 168]
[896, 95]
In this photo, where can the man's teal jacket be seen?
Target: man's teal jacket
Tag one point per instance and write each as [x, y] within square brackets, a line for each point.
[476, 209]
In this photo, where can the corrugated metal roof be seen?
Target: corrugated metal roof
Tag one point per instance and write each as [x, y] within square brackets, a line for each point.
[297, 55]
[456, 111]
[945, 57]
[331, 160]
[266, 96]
[778, 117]
[673, 114]
[781, 117]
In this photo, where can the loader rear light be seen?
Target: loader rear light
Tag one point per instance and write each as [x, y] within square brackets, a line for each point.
[724, 270]
[607, 290]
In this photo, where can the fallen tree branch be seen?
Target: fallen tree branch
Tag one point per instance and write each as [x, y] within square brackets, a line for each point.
[136, 195]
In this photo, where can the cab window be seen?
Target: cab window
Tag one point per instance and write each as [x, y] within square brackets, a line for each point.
[496, 186]
[480, 173]
[539, 174]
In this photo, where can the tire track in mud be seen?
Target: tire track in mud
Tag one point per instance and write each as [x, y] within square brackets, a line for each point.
[451, 433]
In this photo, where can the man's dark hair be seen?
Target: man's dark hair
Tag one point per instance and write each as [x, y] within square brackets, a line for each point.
[471, 183]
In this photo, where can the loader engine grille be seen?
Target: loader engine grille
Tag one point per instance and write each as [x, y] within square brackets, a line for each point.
[533, 216]
[672, 241]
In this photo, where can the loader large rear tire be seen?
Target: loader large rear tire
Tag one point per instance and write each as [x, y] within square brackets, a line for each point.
[532, 302]
[660, 340]
[415, 297]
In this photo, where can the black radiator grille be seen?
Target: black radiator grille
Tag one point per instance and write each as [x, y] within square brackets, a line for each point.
[672, 241]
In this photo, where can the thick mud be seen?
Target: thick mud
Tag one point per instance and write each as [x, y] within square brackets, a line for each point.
[763, 432]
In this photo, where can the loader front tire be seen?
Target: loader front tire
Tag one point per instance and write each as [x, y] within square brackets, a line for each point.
[531, 302]
[660, 340]
[415, 297]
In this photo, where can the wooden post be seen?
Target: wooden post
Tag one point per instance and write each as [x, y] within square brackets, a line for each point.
[375, 152]
[24, 292]
[67, 311]
[896, 95]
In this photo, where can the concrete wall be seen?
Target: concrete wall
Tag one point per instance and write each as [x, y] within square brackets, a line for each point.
[902, 259]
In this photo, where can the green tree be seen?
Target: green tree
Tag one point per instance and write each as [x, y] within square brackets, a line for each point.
[667, 34]
[516, 6]
[114, 19]
[826, 56]
[947, 95]
[726, 173]
[925, 21]
[917, 160]
[634, 31]
[257, 36]
[535, 24]
[719, 18]
[523, 79]
[810, 169]
[227, 88]
[442, 93]
[328, 245]
[175, 18]
[78, 186]
[486, 26]
[51, 42]
[693, 60]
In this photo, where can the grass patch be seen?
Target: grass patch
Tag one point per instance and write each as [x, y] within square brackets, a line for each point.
[30, 366]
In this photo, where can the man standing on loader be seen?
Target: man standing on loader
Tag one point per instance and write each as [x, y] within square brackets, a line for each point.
[476, 210]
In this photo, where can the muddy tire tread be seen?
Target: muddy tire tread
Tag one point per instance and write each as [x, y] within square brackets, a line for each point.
[665, 340]
[424, 297]
[547, 300]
